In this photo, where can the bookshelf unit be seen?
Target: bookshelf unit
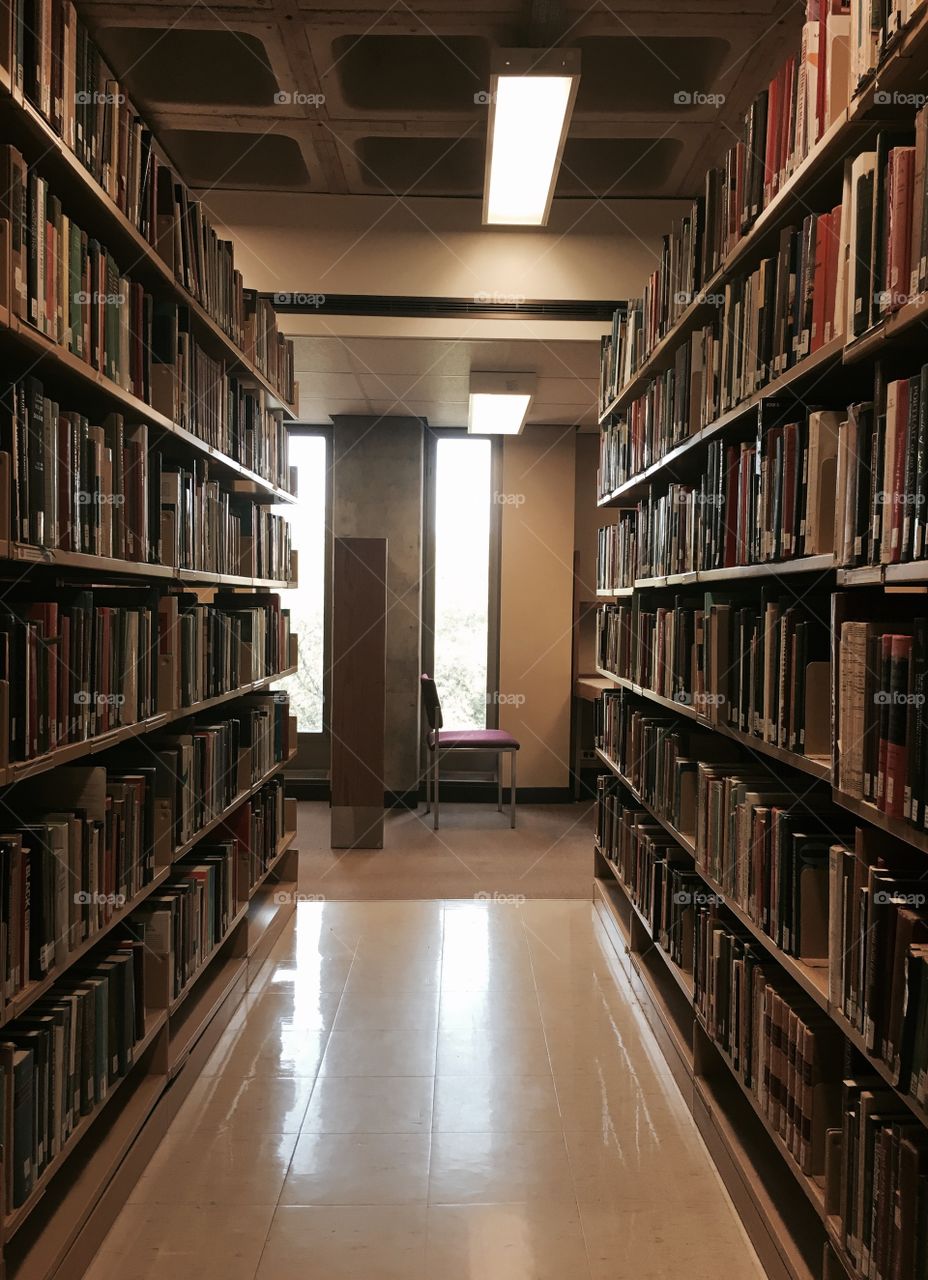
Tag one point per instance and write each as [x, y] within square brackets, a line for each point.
[794, 1150]
[137, 506]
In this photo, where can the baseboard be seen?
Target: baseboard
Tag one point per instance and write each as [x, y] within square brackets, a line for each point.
[451, 791]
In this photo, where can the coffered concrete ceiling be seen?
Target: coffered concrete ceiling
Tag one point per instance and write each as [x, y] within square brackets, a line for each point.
[348, 98]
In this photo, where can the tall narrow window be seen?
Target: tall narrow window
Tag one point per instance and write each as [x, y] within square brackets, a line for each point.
[463, 503]
[307, 602]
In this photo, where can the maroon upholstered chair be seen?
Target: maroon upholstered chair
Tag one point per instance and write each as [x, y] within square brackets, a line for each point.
[439, 741]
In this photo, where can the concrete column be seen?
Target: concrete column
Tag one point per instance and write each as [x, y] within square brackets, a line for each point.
[378, 492]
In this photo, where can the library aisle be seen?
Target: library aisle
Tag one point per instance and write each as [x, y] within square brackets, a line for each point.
[432, 1088]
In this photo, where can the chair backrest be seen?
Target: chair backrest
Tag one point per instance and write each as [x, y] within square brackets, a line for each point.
[431, 703]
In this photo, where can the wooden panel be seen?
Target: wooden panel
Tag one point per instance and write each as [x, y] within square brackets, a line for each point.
[359, 598]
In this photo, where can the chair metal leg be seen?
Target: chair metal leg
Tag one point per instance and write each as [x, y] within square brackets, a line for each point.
[435, 789]
[428, 782]
[512, 788]
[499, 782]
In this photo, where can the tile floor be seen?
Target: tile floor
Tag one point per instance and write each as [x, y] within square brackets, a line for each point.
[456, 1089]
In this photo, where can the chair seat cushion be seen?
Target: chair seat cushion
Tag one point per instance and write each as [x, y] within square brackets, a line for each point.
[491, 739]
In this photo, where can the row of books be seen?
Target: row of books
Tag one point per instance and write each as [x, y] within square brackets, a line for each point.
[879, 1184]
[654, 872]
[207, 649]
[777, 132]
[882, 466]
[657, 755]
[91, 661]
[78, 486]
[200, 394]
[766, 322]
[189, 917]
[204, 765]
[51, 61]
[70, 288]
[67, 870]
[784, 1048]
[888, 225]
[760, 667]
[766, 844]
[639, 326]
[875, 29]
[59, 1061]
[878, 933]
[204, 527]
[882, 754]
[617, 555]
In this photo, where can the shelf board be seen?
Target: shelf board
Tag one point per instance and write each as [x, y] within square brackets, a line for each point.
[815, 766]
[82, 195]
[819, 362]
[775, 1216]
[22, 769]
[48, 557]
[868, 812]
[734, 574]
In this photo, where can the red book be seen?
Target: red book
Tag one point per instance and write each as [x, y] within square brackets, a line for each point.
[901, 195]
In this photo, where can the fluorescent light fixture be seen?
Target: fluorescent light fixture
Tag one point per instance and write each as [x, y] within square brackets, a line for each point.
[499, 403]
[532, 93]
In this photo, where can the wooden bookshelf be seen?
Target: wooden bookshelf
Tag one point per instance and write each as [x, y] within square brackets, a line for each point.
[753, 1177]
[755, 1162]
[57, 1228]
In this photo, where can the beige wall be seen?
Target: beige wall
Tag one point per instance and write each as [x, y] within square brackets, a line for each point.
[536, 591]
[437, 248]
[588, 517]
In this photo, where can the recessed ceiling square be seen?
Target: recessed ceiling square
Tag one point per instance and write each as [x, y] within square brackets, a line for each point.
[621, 73]
[411, 73]
[423, 166]
[205, 68]
[211, 159]
[616, 167]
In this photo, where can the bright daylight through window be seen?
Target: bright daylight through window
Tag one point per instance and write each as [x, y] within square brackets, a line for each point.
[463, 493]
